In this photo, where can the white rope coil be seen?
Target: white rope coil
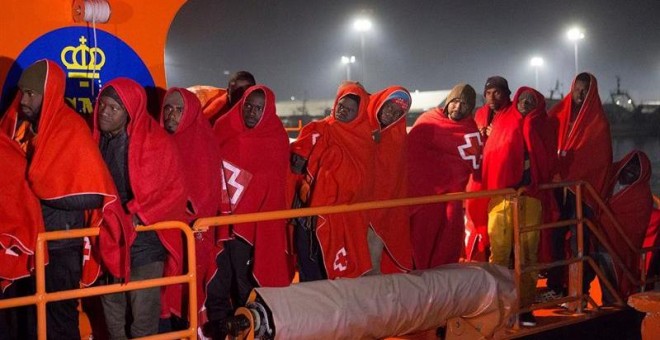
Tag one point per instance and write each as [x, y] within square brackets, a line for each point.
[97, 11]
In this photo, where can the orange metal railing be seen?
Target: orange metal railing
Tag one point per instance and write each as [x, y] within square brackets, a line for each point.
[295, 128]
[41, 297]
[575, 263]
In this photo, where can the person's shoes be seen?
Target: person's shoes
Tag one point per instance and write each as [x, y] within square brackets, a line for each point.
[573, 305]
[547, 296]
[527, 319]
[215, 329]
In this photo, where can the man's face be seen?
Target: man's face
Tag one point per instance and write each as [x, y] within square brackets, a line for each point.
[579, 92]
[495, 98]
[172, 111]
[112, 117]
[389, 113]
[31, 104]
[630, 173]
[346, 109]
[457, 109]
[526, 102]
[253, 108]
[236, 88]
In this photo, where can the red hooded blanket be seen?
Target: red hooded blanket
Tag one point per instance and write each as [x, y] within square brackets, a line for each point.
[62, 146]
[442, 154]
[255, 164]
[585, 147]
[392, 225]
[156, 181]
[20, 215]
[505, 150]
[340, 168]
[198, 150]
[632, 207]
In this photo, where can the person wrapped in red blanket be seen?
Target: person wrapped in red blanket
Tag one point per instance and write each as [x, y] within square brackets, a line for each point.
[444, 150]
[333, 159]
[390, 228]
[67, 174]
[631, 202]
[144, 164]
[519, 152]
[20, 216]
[197, 148]
[497, 96]
[254, 150]
[584, 150]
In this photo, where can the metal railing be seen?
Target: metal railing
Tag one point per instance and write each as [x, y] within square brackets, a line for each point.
[575, 263]
[41, 297]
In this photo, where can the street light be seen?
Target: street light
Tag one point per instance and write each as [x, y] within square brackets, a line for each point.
[348, 61]
[536, 62]
[363, 25]
[575, 34]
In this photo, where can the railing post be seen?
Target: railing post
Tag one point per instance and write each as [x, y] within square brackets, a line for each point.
[576, 270]
[192, 281]
[40, 277]
[515, 207]
[642, 268]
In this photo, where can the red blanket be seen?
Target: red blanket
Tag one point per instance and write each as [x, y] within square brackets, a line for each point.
[341, 167]
[156, 181]
[652, 240]
[476, 210]
[484, 118]
[437, 142]
[512, 134]
[392, 225]
[261, 153]
[20, 215]
[198, 149]
[585, 149]
[632, 207]
[504, 154]
[62, 144]
[442, 154]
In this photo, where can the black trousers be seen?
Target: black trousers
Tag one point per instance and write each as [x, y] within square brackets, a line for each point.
[557, 276]
[310, 260]
[230, 287]
[18, 322]
[63, 272]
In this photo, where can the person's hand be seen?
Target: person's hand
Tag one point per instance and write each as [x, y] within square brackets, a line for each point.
[489, 129]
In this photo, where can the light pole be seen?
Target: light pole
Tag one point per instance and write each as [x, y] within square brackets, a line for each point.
[575, 34]
[363, 25]
[348, 61]
[536, 62]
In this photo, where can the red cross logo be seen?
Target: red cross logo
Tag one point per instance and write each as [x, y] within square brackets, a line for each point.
[471, 150]
[341, 261]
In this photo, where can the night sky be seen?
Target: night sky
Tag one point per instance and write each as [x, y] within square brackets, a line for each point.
[295, 46]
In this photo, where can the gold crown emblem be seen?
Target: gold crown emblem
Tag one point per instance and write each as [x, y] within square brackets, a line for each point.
[82, 61]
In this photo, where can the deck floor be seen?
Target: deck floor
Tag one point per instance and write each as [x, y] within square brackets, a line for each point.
[602, 324]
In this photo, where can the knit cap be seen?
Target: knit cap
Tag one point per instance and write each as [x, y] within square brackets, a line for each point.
[400, 98]
[34, 77]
